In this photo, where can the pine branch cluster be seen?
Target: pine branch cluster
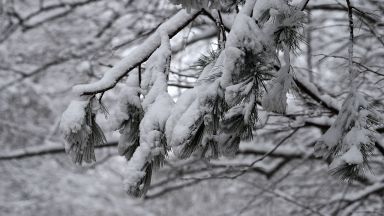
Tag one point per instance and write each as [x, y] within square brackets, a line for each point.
[88, 134]
[209, 120]
[235, 77]
[224, 5]
[349, 142]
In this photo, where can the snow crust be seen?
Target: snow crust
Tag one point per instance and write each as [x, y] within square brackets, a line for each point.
[198, 4]
[353, 156]
[348, 133]
[73, 117]
[138, 55]
[151, 128]
[155, 76]
[263, 6]
[275, 99]
[157, 105]
[178, 123]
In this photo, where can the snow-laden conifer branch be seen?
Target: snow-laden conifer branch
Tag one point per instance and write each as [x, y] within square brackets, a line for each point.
[348, 143]
[275, 99]
[78, 121]
[221, 110]
[212, 118]
[130, 113]
[140, 54]
[81, 131]
[198, 4]
[150, 147]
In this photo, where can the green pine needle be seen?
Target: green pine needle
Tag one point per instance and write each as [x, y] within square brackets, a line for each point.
[83, 142]
[230, 146]
[205, 60]
[194, 141]
[142, 186]
[350, 172]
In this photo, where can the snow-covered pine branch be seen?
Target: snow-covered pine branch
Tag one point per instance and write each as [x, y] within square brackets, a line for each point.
[137, 56]
[81, 131]
[198, 4]
[350, 140]
[151, 148]
[80, 116]
[212, 118]
[275, 99]
[129, 115]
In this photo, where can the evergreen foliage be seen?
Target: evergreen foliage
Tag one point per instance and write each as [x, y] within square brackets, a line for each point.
[82, 141]
[350, 140]
[221, 110]
[130, 133]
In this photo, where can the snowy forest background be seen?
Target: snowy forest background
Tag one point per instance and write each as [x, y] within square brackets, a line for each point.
[48, 46]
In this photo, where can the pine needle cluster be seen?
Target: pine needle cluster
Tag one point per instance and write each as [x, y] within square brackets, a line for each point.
[230, 114]
[130, 132]
[83, 141]
[288, 33]
[350, 141]
[223, 5]
[247, 88]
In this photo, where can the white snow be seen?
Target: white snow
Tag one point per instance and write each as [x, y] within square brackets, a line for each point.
[138, 55]
[332, 136]
[154, 120]
[182, 128]
[135, 165]
[151, 128]
[232, 56]
[262, 6]
[191, 105]
[178, 110]
[353, 156]
[197, 4]
[73, 117]
[128, 96]
[234, 91]
[350, 131]
[129, 93]
[356, 136]
[157, 104]
[155, 76]
[275, 99]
